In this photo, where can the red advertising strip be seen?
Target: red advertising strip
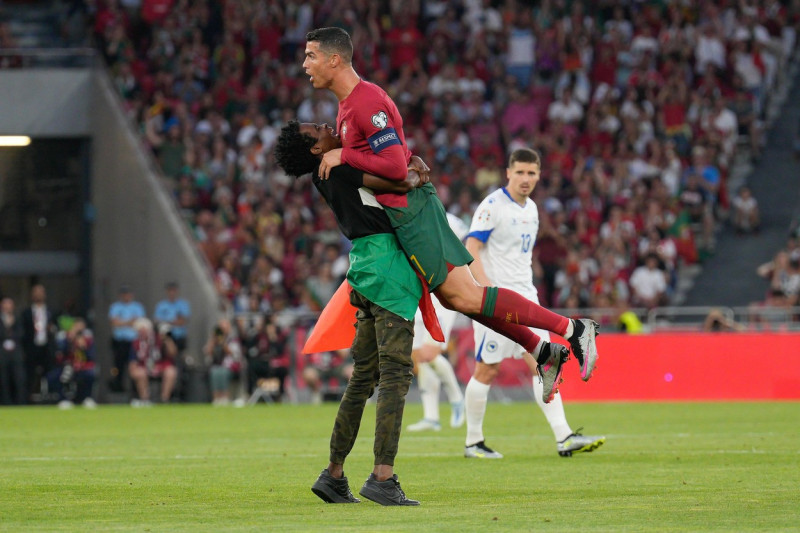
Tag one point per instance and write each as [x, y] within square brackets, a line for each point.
[676, 366]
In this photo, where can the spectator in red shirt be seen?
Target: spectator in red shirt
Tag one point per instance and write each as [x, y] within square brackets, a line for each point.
[404, 43]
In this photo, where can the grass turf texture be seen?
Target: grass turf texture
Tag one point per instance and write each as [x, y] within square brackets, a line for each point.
[664, 467]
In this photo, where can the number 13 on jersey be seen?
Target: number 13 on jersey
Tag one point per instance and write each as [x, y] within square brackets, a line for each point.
[526, 242]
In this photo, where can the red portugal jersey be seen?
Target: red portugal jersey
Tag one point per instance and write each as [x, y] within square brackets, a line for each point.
[371, 130]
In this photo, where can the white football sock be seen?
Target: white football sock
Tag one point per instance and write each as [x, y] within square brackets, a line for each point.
[475, 397]
[538, 350]
[441, 365]
[570, 329]
[429, 386]
[553, 411]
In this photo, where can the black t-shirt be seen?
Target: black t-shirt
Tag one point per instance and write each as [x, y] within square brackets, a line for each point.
[356, 210]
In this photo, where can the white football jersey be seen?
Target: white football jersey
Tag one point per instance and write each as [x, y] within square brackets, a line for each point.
[508, 231]
[458, 226]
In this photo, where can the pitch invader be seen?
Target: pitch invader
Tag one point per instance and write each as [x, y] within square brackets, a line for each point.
[501, 239]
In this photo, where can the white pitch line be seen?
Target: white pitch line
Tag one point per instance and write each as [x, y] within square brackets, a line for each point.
[51, 458]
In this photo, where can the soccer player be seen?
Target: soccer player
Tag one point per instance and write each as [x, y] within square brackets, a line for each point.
[386, 291]
[501, 239]
[433, 368]
[427, 238]
[371, 134]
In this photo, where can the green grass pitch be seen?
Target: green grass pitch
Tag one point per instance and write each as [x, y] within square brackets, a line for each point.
[664, 467]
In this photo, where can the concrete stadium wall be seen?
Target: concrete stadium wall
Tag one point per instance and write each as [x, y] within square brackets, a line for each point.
[46, 102]
[674, 366]
[138, 237]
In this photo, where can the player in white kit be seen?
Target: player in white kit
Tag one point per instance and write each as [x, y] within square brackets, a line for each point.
[501, 239]
[433, 368]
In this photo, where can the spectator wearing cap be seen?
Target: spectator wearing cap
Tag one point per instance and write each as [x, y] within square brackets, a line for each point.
[122, 314]
[173, 311]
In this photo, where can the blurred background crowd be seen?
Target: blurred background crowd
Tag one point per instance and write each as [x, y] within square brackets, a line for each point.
[638, 109]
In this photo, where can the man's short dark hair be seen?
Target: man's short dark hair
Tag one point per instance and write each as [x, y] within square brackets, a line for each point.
[333, 41]
[524, 155]
[293, 150]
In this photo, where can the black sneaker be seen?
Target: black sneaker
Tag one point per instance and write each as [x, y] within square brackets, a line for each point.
[385, 492]
[333, 490]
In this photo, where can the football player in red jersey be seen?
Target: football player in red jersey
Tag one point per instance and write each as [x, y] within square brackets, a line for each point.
[371, 133]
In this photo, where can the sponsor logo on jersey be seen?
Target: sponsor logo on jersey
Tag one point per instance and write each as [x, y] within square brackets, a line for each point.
[380, 120]
[382, 139]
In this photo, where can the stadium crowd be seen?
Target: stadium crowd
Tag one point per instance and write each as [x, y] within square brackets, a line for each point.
[45, 355]
[637, 109]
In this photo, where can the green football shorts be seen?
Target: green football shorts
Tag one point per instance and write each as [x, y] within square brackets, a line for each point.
[430, 244]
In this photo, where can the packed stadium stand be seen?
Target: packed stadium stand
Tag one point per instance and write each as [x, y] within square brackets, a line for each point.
[649, 116]
[625, 102]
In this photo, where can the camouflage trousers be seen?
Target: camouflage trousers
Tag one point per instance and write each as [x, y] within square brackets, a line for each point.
[381, 355]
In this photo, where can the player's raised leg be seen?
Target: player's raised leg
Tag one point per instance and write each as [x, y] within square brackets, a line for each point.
[502, 309]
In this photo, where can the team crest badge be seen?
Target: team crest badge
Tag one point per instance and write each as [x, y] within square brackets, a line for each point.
[491, 346]
[343, 132]
[380, 120]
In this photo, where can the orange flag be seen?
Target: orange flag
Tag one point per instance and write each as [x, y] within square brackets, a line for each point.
[335, 329]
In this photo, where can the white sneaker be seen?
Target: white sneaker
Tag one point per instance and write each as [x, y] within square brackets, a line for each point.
[239, 402]
[65, 404]
[457, 414]
[425, 425]
[480, 450]
[584, 346]
[89, 403]
[576, 443]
